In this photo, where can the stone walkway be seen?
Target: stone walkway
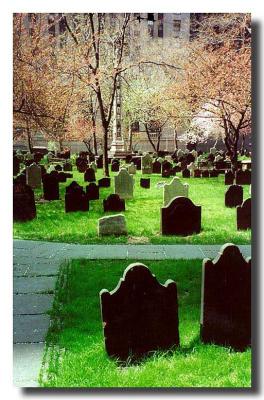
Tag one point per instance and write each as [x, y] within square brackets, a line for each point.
[35, 268]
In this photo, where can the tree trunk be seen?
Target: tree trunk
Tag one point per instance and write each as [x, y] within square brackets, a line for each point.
[175, 140]
[149, 138]
[105, 151]
[94, 137]
[242, 150]
[29, 139]
[61, 145]
[130, 139]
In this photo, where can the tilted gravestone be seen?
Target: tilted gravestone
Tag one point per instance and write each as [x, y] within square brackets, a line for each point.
[226, 299]
[89, 175]
[24, 208]
[156, 167]
[146, 164]
[243, 177]
[234, 196]
[75, 198]
[244, 215]
[51, 186]
[180, 217]
[229, 178]
[104, 182]
[114, 203]
[145, 183]
[124, 184]
[186, 173]
[140, 315]
[33, 176]
[92, 191]
[112, 225]
[174, 189]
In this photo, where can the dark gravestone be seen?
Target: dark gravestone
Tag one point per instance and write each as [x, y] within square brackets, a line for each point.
[58, 168]
[137, 162]
[75, 198]
[51, 186]
[234, 196]
[104, 182]
[213, 173]
[156, 167]
[226, 299]
[114, 203]
[89, 175]
[183, 164]
[229, 178]
[205, 173]
[189, 158]
[166, 167]
[186, 173]
[16, 165]
[243, 177]
[140, 315]
[128, 159]
[81, 164]
[62, 177]
[197, 173]
[145, 183]
[115, 165]
[244, 215]
[24, 208]
[180, 217]
[38, 157]
[166, 173]
[67, 166]
[99, 162]
[92, 191]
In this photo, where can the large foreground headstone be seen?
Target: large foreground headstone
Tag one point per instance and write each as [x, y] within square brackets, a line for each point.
[92, 191]
[244, 215]
[124, 184]
[226, 299]
[234, 196]
[180, 217]
[24, 208]
[114, 203]
[174, 189]
[140, 315]
[75, 198]
[112, 225]
[51, 186]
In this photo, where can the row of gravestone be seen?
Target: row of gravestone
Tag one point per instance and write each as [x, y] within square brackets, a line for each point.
[141, 315]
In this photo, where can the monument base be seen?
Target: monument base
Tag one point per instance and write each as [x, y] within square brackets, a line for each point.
[118, 150]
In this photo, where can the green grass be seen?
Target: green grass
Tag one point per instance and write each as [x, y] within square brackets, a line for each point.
[142, 216]
[76, 355]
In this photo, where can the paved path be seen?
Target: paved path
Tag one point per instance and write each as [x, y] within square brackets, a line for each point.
[36, 266]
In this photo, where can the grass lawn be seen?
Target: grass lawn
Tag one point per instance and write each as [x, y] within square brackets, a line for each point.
[76, 355]
[142, 216]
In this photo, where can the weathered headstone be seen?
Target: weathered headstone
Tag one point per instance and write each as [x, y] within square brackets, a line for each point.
[24, 208]
[229, 178]
[51, 186]
[146, 164]
[243, 177]
[174, 189]
[112, 225]
[244, 215]
[145, 183]
[180, 217]
[124, 184]
[132, 169]
[92, 191]
[234, 196]
[104, 182]
[140, 315]
[114, 203]
[33, 176]
[89, 175]
[226, 299]
[75, 199]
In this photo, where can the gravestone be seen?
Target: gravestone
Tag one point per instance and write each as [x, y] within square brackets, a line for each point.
[99, 162]
[146, 164]
[166, 173]
[132, 169]
[213, 173]
[33, 176]
[226, 299]
[114, 203]
[112, 225]
[16, 165]
[51, 186]
[81, 164]
[24, 208]
[92, 191]
[186, 173]
[58, 167]
[67, 166]
[75, 199]
[244, 215]
[197, 173]
[205, 173]
[89, 175]
[156, 167]
[62, 176]
[229, 178]
[140, 315]
[180, 217]
[72, 187]
[115, 165]
[104, 182]
[243, 177]
[124, 184]
[145, 183]
[166, 168]
[174, 189]
[234, 196]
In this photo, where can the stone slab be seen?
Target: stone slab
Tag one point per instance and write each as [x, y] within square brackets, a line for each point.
[34, 285]
[30, 328]
[186, 251]
[146, 252]
[32, 303]
[27, 359]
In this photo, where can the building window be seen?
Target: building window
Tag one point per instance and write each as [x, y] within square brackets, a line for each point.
[176, 27]
[160, 25]
[151, 24]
